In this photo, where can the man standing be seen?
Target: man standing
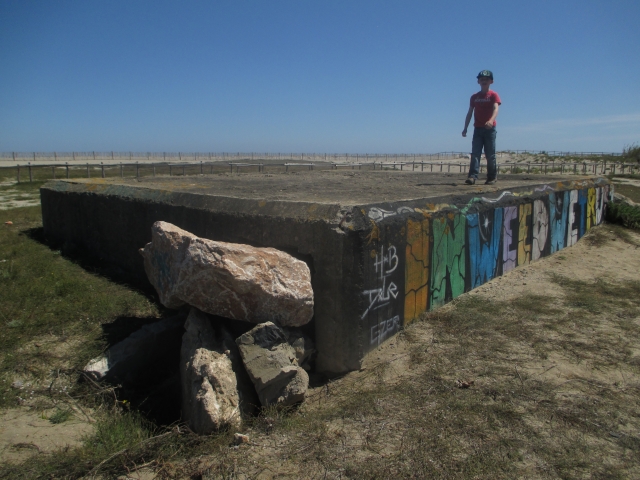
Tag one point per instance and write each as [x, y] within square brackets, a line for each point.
[484, 107]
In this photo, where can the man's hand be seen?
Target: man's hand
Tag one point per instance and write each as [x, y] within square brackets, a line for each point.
[464, 132]
[489, 125]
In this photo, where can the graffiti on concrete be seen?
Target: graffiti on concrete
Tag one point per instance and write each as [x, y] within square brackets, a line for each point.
[448, 260]
[524, 236]
[384, 329]
[540, 229]
[417, 260]
[451, 252]
[377, 214]
[484, 241]
[558, 213]
[510, 230]
[385, 265]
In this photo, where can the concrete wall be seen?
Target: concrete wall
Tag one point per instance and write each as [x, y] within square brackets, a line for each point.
[416, 259]
[375, 268]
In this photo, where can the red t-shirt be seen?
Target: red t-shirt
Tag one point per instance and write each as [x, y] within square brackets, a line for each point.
[482, 104]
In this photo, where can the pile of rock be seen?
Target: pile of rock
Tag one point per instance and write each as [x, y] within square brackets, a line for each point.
[224, 378]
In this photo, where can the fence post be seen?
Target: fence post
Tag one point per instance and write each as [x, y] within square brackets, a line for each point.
[55, 157]
[34, 157]
[94, 156]
[88, 175]
[201, 167]
[14, 156]
[18, 173]
[102, 167]
[67, 165]
[30, 175]
[154, 169]
[121, 171]
[137, 170]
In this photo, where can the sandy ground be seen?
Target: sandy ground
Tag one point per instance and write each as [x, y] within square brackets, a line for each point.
[25, 432]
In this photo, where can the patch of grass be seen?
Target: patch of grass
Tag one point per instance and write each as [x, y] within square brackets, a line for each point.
[624, 214]
[51, 309]
[474, 395]
[119, 438]
[61, 416]
[630, 191]
[25, 188]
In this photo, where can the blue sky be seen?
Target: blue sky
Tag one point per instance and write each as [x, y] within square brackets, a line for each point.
[315, 76]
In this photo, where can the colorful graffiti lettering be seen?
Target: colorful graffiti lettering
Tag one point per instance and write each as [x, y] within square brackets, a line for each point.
[540, 229]
[448, 259]
[484, 241]
[510, 239]
[558, 209]
[416, 282]
[591, 208]
[524, 238]
[453, 252]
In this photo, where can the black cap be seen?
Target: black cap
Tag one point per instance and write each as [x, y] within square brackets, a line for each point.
[486, 73]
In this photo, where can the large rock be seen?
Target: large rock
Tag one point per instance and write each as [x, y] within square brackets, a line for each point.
[213, 393]
[228, 279]
[272, 366]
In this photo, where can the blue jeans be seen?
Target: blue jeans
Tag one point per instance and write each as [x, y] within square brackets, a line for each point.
[483, 137]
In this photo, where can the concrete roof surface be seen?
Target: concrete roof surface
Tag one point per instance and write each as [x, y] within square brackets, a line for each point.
[334, 187]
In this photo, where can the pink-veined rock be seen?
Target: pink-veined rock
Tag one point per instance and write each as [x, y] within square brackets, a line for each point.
[231, 280]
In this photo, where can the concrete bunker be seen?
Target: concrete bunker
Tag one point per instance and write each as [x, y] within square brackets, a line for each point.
[383, 247]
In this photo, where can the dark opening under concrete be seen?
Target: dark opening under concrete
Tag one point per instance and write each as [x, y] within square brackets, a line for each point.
[383, 246]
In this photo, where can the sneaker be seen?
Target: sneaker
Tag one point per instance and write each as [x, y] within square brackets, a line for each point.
[470, 181]
[491, 182]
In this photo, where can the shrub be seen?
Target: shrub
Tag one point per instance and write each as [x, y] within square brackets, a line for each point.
[631, 152]
[624, 214]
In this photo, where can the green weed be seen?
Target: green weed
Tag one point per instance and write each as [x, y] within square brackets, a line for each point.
[61, 416]
[631, 153]
[624, 214]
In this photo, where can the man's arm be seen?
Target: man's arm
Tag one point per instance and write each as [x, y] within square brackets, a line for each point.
[467, 120]
[494, 115]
